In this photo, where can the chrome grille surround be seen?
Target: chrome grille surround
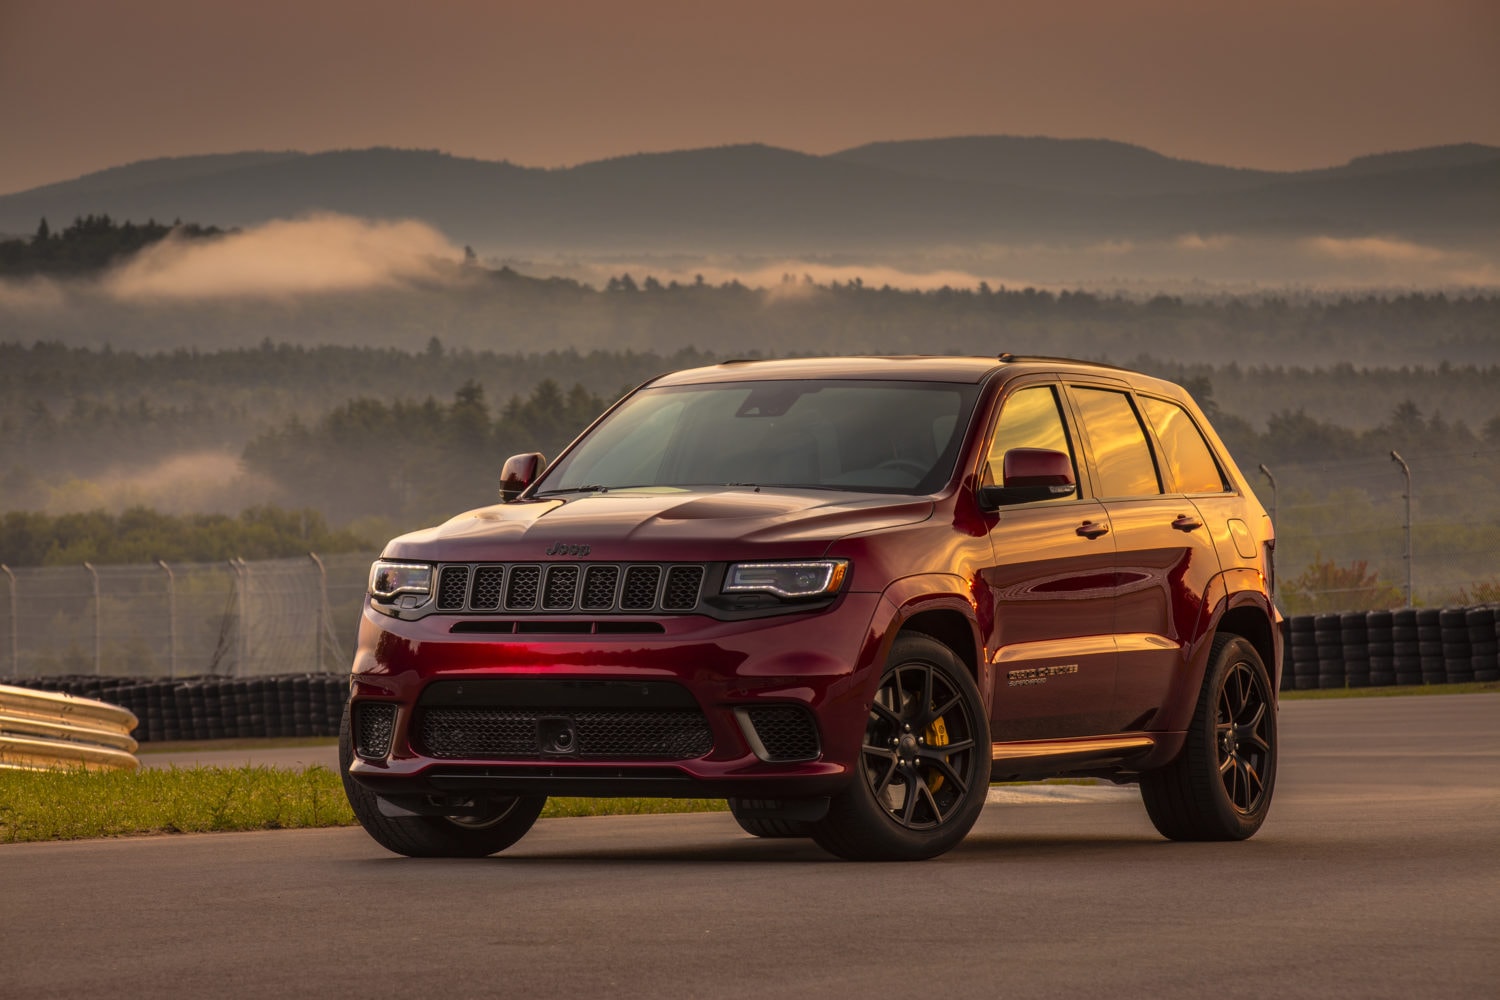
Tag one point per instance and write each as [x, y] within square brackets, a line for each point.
[570, 588]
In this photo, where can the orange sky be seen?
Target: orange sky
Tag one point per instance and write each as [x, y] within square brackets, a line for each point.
[1267, 83]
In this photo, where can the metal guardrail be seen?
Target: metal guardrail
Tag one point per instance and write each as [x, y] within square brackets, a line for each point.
[47, 730]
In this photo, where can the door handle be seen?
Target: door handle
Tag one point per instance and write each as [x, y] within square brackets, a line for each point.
[1092, 529]
[1186, 522]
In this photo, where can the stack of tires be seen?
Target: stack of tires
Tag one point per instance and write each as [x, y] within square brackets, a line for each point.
[1380, 633]
[1303, 650]
[1454, 628]
[1484, 642]
[1356, 643]
[1404, 644]
[1328, 630]
[1430, 645]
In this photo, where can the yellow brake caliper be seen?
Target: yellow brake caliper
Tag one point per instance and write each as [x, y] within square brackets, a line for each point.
[937, 736]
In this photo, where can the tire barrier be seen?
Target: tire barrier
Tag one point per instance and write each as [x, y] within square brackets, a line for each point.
[49, 730]
[215, 708]
[1407, 646]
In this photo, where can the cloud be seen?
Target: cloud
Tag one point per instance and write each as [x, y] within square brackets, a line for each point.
[319, 253]
[1376, 248]
[29, 294]
[187, 482]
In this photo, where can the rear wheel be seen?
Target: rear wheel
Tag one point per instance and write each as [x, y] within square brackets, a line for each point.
[1219, 787]
[924, 766]
[496, 825]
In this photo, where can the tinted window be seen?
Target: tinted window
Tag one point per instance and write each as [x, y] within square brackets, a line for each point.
[1121, 455]
[1030, 419]
[1183, 448]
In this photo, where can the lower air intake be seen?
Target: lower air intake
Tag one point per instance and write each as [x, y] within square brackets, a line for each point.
[517, 734]
[374, 725]
[786, 732]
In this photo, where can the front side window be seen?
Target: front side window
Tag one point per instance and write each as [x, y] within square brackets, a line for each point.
[1122, 456]
[895, 437]
[1187, 455]
[1030, 418]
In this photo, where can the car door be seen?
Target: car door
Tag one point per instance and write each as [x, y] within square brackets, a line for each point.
[1164, 555]
[1051, 581]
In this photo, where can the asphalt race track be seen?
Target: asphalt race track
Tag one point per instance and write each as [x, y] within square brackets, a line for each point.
[1377, 875]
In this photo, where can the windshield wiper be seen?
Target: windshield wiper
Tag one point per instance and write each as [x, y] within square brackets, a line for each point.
[591, 488]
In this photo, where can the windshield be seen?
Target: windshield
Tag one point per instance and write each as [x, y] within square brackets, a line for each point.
[896, 437]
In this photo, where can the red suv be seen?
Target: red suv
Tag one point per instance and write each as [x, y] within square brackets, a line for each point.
[844, 593]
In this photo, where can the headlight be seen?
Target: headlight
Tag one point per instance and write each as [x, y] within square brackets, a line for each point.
[391, 579]
[815, 578]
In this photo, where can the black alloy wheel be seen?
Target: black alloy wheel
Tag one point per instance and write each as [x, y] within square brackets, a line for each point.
[924, 764]
[1242, 727]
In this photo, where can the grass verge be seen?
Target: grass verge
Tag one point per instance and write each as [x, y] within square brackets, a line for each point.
[75, 805]
[1404, 690]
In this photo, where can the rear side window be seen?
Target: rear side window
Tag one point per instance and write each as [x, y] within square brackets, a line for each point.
[1184, 450]
[1031, 419]
[1122, 457]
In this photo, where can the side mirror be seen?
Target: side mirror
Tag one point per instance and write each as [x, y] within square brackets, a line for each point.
[1030, 474]
[520, 472]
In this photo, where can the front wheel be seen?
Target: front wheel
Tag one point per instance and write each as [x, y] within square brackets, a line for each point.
[503, 822]
[1219, 787]
[924, 765]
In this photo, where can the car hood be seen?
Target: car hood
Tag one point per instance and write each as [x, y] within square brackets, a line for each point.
[649, 525]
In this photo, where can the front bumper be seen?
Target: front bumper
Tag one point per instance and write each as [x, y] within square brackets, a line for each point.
[824, 662]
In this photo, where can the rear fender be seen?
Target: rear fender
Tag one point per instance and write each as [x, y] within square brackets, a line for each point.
[1231, 590]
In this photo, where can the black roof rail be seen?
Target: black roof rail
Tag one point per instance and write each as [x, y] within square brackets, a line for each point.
[1008, 358]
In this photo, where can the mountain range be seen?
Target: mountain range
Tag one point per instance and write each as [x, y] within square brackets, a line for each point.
[964, 191]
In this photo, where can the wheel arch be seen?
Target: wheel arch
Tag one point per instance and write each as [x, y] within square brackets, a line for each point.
[951, 628]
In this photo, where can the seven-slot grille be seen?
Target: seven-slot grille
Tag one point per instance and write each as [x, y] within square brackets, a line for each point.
[560, 588]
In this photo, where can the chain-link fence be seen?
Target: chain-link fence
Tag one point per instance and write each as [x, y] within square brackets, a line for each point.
[1332, 516]
[229, 619]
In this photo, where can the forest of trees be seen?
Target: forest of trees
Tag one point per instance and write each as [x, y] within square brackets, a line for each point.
[139, 535]
[89, 244]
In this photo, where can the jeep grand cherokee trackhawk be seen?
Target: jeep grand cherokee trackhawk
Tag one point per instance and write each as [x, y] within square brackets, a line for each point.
[844, 593]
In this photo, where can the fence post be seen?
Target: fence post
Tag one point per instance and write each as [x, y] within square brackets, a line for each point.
[98, 615]
[1267, 473]
[171, 619]
[15, 625]
[241, 632]
[1407, 470]
[322, 610]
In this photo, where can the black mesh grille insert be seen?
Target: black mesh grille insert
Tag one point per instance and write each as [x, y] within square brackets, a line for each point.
[640, 588]
[513, 734]
[599, 588]
[786, 731]
[562, 582]
[452, 588]
[682, 588]
[569, 588]
[521, 592]
[374, 723]
[486, 594]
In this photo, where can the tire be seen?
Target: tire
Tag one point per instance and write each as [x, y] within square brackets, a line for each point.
[1215, 790]
[771, 829]
[902, 805]
[436, 836]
